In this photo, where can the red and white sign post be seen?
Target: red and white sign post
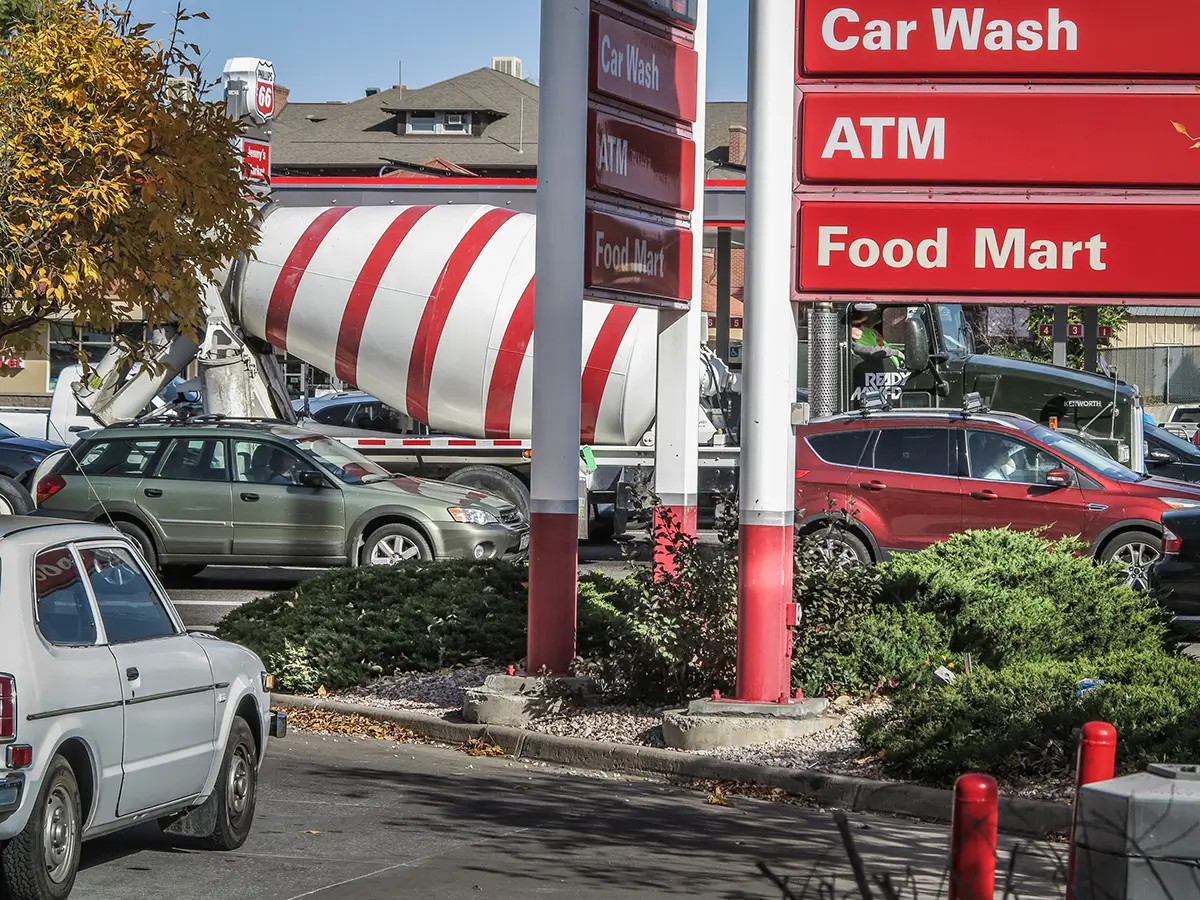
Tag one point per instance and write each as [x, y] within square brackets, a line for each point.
[767, 497]
[616, 189]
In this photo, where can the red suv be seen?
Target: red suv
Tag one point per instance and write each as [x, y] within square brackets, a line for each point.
[913, 478]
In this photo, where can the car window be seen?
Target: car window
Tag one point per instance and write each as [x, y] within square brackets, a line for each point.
[129, 607]
[259, 462]
[998, 457]
[843, 448]
[334, 414]
[128, 458]
[195, 459]
[920, 451]
[64, 611]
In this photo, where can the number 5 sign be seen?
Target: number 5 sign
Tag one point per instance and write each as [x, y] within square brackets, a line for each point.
[262, 105]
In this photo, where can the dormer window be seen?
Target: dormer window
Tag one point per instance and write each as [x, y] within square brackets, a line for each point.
[438, 123]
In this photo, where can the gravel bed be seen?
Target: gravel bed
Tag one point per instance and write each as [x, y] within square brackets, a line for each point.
[615, 724]
[437, 694]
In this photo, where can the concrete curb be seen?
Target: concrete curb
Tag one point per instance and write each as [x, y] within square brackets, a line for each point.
[1018, 816]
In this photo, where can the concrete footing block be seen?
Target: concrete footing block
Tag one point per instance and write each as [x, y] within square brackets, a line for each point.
[516, 700]
[710, 725]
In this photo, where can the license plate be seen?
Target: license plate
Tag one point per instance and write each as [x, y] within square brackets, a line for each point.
[524, 545]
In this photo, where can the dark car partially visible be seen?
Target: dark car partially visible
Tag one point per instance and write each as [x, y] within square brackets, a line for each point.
[19, 460]
[1176, 575]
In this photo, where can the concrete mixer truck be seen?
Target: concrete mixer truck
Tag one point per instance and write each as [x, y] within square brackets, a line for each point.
[430, 309]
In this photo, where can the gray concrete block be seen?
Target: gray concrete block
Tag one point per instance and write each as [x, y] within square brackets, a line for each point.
[516, 700]
[685, 731]
[795, 709]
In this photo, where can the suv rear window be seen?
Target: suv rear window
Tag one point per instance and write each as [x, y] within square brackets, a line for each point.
[116, 458]
[919, 451]
[843, 448]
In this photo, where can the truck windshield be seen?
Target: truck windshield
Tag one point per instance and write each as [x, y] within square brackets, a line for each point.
[956, 333]
[1095, 460]
[340, 461]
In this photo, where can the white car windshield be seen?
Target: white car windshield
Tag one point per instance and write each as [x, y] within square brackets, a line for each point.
[340, 461]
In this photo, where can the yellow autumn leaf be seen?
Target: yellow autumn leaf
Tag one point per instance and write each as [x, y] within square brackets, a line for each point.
[1180, 127]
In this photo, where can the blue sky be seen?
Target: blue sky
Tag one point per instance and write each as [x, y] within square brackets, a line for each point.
[333, 51]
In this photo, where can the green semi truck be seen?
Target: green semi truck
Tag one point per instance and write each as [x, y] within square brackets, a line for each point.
[925, 355]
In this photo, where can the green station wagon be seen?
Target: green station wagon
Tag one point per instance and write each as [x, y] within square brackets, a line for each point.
[235, 492]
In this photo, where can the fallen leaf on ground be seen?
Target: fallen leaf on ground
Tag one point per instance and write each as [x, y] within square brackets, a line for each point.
[320, 721]
[480, 747]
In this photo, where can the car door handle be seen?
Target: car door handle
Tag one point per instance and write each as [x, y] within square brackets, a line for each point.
[985, 495]
[250, 498]
[875, 485]
[153, 492]
[132, 674]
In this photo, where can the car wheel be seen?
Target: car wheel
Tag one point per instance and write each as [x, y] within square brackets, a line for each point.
[142, 540]
[396, 543]
[236, 790]
[182, 573]
[14, 499]
[494, 480]
[840, 546]
[1137, 552]
[42, 861]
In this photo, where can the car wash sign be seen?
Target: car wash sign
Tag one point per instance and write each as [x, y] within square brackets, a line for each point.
[985, 152]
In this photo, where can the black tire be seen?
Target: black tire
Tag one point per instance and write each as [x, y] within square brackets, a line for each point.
[495, 480]
[142, 540]
[182, 573]
[14, 499]
[840, 543]
[27, 871]
[236, 790]
[397, 534]
[1138, 550]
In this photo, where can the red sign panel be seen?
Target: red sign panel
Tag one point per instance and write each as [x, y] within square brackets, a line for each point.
[641, 68]
[1013, 38]
[256, 160]
[1087, 249]
[638, 257]
[641, 163]
[999, 138]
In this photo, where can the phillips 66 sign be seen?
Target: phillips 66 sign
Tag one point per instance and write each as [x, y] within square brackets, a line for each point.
[262, 104]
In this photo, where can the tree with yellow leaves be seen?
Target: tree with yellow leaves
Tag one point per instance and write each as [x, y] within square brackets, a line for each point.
[120, 184]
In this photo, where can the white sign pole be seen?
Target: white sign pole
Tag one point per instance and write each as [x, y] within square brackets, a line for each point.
[558, 336]
[768, 459]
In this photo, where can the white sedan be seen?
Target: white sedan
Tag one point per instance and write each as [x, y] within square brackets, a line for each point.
[111, 714]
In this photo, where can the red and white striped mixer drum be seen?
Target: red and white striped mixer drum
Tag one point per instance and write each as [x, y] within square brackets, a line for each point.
[430, 308]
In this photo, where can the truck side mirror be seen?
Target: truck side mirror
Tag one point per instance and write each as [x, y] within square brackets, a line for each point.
[916, 345]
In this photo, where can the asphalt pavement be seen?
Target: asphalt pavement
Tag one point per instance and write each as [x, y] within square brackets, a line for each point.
[345, 819]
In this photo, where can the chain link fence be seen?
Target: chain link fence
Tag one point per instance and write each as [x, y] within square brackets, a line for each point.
[1164, 374]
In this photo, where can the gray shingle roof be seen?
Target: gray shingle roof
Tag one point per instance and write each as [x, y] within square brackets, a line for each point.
[362, 134]
[1165, 312]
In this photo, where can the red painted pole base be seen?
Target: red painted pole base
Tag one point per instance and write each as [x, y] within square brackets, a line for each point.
[553, 585]
[670, 521]
[764, 590]
[973, 838]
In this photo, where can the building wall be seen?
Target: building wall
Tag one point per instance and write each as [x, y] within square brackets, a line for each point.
[1150, 332]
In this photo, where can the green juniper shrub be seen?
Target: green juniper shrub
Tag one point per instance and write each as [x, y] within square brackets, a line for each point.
[1011, 596]
[1020, 723]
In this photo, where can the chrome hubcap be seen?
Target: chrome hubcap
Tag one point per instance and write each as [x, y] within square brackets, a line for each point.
[6, 508]
[393, 549]
[238, 789]
[59, 834]
[1137, 559]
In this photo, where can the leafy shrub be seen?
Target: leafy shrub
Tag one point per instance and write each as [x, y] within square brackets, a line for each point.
[1020, 723]
[668, 633]
[1010, 596]
[347, 626]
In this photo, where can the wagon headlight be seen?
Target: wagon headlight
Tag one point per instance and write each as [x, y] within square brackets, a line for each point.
[469, 516]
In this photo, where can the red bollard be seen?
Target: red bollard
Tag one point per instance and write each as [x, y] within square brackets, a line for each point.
[1097, 761]
[973, 838]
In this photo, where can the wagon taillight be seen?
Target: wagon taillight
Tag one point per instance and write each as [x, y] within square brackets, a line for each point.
[8, 708]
